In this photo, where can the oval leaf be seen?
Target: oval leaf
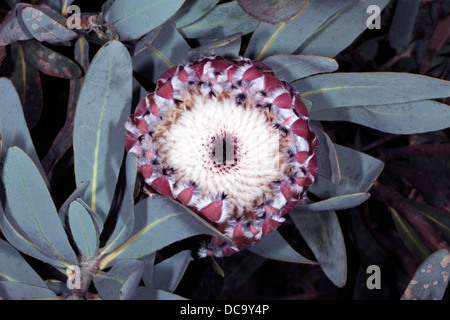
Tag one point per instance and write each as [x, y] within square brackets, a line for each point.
[83, 230]
[32, 207]
[98, 139]
[431, 278]
[19, 291]
[44, 28]
[49, 61]
[133, 19]
[322, 233]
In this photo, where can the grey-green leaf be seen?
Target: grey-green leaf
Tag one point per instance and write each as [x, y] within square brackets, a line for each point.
[323, 234]
[399, 118]
[293, 67]
[13, 127]
[273, 246]
[227, 47]
[327, 161]
[19, 291]
[431, 279]
[338, 32]
[125, 219]
[168, 273]
[192, 10]
[158, 51]
[286, 37]
[83, 230]
[358, 172]
[32, 207]
[133, 19]
[336, 203]
[159, 221]
[102, 109]
[222, 21]
[369, 88]
[14, 268]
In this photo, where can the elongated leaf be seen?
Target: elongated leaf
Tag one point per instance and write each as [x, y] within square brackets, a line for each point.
[346, 25]
[159, 222]
[132, 20]
[358, 172]
[370, 88]
[125, 219]
[402, 27]
[293, 67]
[45, 28]
[14, 268]
[410, 238]
[83, 230]
[110, 284]
[36, 215]
[273, 246]
[192, 10]
[27, 81]
[227, 47]
[102, 108]
[431, 279]
[16, 237]
[336, 203]
[18, 291]
[49, 61]
[222, 21]
[159, 51]
[63, 140]
[286, 37]
[401, 118]
[13, 127]
[322, 233]
[168, 273]
[327, 161]
[274, 11]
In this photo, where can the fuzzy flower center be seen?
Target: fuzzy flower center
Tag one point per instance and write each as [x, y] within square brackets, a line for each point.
[225, 148]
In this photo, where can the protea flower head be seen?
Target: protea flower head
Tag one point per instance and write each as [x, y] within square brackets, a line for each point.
[229, 140]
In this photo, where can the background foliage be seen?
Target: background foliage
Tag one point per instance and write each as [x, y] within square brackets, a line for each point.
[70, 196]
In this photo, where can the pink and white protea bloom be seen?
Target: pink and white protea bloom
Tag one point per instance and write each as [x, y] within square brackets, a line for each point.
[230, 141]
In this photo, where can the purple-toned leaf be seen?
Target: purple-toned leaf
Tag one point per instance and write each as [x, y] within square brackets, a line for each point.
[273, 11]
[63, 140]
[27, 81]
[431, 278]
[12, 28]
[50, 62]
[45, 28]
